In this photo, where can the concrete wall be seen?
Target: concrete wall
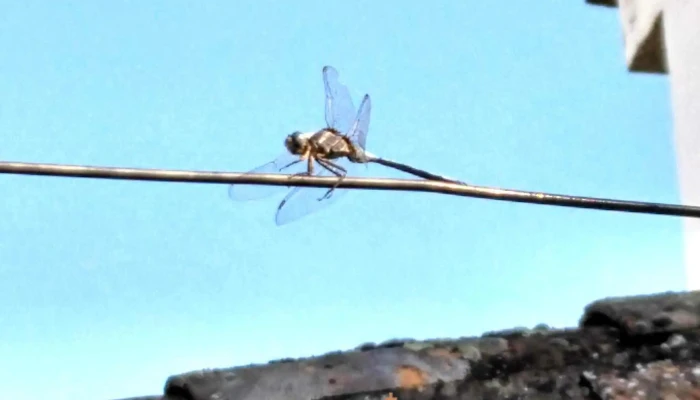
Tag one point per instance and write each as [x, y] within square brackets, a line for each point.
[663, 36]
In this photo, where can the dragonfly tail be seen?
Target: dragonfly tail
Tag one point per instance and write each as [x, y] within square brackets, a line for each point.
[410, 170]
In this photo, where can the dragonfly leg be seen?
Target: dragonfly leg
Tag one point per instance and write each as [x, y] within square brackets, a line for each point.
[309, 170]
[310, 165]
[290, 164]
[335, 169]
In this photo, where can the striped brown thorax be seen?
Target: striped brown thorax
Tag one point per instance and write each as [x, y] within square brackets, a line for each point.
[327, 144]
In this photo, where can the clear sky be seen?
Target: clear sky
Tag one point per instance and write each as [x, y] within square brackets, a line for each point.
[109, 287]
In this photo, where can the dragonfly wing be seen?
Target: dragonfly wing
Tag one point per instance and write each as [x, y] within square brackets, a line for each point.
[358, 133]
[286, 163]
[302, 201]
[340, 111]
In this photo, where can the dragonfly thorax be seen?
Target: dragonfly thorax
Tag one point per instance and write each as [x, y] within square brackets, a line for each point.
[331, 144]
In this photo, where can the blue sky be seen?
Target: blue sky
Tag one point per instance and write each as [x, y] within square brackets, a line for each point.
[108, 287]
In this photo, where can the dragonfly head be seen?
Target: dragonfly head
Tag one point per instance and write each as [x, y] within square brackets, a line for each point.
[296, 143]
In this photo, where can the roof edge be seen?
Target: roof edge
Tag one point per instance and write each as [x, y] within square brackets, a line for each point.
[604, 3]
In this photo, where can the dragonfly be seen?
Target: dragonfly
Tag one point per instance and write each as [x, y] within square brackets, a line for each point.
[337, 150]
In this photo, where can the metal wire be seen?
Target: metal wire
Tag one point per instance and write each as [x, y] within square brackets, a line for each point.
[433, 186]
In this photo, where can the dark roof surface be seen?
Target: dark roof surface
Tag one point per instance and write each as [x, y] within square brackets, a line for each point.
[642, 347]
[606, 3]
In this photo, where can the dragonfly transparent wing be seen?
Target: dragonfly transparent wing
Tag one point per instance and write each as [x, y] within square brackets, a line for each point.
[302, 201]
[340, 112]
[286, 163]
[360, 127]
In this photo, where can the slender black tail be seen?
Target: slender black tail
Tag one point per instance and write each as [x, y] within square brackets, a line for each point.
[413, 171]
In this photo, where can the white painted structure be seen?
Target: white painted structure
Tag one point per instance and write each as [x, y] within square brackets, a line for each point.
[663, 36]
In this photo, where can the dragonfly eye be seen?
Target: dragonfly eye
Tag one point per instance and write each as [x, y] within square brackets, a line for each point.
[293, 143]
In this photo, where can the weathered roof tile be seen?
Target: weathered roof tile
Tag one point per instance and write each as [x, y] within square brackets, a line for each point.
[625, 348]
[646, 315]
